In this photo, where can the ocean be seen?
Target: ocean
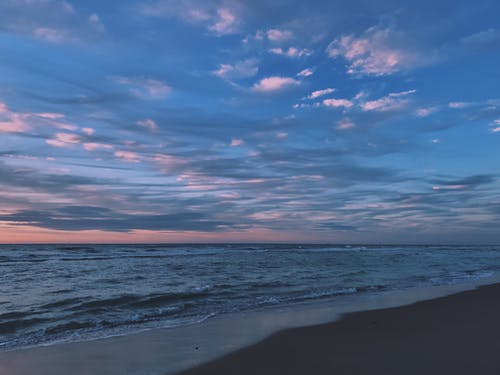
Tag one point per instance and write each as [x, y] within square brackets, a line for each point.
[64, 293]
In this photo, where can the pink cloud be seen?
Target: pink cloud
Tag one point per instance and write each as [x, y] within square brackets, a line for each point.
[50, 116]
[218, 20]
[291, 52]
[318, 93]
[168, 163]
[277, 35]
[391, 102]
[88, 131]
[274, 84]
[128, 156]
[225, 23]
[338, 103]
[52, 35]
[242, 69]
[376, 52]
[14, 125]
[13, 122]
[63, 140]
[92, 146]
[345, 124]
[145, 88]
[148, 124]
[235, 142]
[426, 111]
[305, 73]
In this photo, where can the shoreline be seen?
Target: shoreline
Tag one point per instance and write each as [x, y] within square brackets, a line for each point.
[455, 334]
[170, 350]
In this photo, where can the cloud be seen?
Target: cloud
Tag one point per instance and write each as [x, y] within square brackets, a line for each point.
[23, 122]
[53, 35]
[470, 182]
[458, 105]
[336, 103]
[88, 131]
[128, 156]
[235, 142]
[50, 21]
[281, 135]
[305, 73]
[391, 102]
[242, 69]
[345, 124]
[12, 122]
[277, 35]
[318, 93]
[426, 111]
[145, 88]
[93, 146]
[483, 40]
[169, 164]
[64, 140]
[376, 52]
[148, 124]
[220, 20]
[496, 129]
[291, 52]
[274, 84]
[225, 23]
[77, 218]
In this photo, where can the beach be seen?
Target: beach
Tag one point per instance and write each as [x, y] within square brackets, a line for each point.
[457, 334]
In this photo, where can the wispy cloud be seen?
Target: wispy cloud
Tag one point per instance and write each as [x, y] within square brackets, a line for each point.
[484, 39]
[338, 103]
[64, 140]
[145, 88]
[235, 142]
[274, 84]
[291, 52]
[426, 111]
[391, 102]
[93, 146]
[218, 18]
[12, 122]
[458, 105]
[225, 23]
[128, 156]
[305, 72]
[318, 93]
[242, 69]
[277, 35]
[148, 124]
[54, 21]
[345, 124]
[377, 51]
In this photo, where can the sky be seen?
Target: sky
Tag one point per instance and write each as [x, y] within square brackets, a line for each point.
[250, 121]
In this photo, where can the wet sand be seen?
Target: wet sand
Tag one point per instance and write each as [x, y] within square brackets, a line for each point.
[457, 334]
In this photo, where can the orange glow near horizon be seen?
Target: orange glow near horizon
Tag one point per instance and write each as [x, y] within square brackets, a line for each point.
[35, 235]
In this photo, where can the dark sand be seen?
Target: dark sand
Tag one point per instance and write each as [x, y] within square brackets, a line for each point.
[458, 334]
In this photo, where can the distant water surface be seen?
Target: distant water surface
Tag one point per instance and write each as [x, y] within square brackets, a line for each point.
[51, 293]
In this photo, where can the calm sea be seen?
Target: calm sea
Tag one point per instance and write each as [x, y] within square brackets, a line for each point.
[52, 293]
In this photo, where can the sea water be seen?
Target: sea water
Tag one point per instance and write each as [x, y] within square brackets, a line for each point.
[54, 293]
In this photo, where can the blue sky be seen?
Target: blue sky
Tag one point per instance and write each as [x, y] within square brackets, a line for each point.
[325, 121]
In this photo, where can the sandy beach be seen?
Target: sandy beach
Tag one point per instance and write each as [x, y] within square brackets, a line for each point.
[458, 334]
[389, 333]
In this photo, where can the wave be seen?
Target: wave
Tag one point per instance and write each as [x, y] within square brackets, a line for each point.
[143, 301]
[12, 326]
